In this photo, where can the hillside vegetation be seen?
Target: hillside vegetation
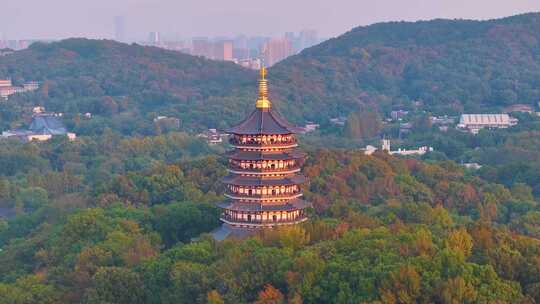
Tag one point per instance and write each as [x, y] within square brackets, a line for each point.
[126, 86]
[450, 66]
[114, 220]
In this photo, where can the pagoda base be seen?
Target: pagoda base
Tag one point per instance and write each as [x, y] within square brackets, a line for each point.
[227, 231]
[261, 224]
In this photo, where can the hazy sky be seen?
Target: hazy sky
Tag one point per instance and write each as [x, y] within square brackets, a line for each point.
[26, 19]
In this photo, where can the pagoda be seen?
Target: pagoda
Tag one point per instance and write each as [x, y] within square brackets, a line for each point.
[263, 188]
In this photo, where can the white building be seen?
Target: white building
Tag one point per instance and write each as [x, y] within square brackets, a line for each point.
[212, 136]
[474, 166]
[385, 147]
[475, 122]
[310, 127]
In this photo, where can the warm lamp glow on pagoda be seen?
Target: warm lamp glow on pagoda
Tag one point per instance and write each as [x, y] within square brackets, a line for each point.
[264, 182]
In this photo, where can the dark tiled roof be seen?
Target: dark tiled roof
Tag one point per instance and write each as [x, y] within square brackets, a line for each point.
[237, 206]
[263, 121]
[47, 124]
[257, 181]
[254, 155]
[227, 231]
[6, 213]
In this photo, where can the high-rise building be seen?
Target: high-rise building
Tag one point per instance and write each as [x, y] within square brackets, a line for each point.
[308, 38]
[264, 182]
[240, 42]
[275, 50]
[119, 29]
[154, 38]
[294, 40]
[223, 50]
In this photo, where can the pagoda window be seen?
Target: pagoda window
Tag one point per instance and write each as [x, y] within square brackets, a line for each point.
[274, 218]
[250, 192]
[249, 217]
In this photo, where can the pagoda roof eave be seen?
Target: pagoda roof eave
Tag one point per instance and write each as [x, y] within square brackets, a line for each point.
[296, 204]
[257, 181]
[264, 122]
[259, 155]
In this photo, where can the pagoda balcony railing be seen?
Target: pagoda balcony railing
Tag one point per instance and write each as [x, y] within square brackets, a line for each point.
[263, 171]
[231, 220]
[262, 197]
[255, 143]
[262, 146]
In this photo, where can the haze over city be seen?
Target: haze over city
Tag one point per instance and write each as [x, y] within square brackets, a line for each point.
[57, 19]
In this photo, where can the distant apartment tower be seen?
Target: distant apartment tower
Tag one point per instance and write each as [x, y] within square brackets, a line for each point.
[308, 38]
[119, 29]
[275, 50]
[154, 38]
[294, 40]
[223, 50]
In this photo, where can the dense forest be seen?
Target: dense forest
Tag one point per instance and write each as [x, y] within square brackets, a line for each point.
[125, 86]
[124, 214]
[119, 220]
[448, 66]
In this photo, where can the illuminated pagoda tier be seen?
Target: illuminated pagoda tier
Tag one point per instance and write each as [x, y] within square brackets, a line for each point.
[264, 182]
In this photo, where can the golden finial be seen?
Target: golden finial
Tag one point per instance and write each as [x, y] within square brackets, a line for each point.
[263, 102]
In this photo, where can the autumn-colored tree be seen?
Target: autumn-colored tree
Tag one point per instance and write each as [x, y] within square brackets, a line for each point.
[270, 295]
[88, 262]
[424, 244]
[460, 241]
[293, 237]
[402, 287]
[457, 291]
[214, 297]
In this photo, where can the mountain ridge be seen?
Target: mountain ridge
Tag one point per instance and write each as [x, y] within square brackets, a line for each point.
[451, 66]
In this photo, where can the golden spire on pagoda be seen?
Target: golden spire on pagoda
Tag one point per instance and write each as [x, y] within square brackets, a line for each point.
[262, 101]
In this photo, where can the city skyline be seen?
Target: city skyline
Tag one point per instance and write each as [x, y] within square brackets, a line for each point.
[58, 19]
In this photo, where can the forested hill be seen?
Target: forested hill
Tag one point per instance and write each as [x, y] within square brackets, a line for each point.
[126, 86]
[450, 65]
